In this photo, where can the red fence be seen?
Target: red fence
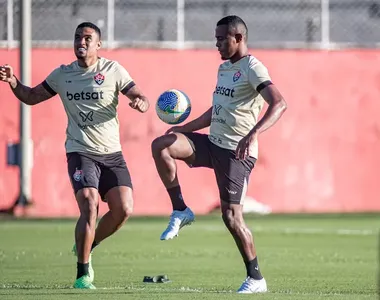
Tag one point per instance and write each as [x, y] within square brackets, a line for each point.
[323, 156]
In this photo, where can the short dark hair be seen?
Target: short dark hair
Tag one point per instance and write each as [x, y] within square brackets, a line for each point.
[233, 22]
[90, 25]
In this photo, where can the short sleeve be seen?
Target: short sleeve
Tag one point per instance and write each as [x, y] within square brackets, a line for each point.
[124, 81]
[258, 75]
[51, 82]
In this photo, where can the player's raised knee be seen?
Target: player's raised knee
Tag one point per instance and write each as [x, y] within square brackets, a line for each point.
[157, 145]
[160, 144]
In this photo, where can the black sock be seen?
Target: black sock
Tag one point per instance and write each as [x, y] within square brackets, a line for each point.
[94, 244]
[176, 198]
[253, 270]
[82, 269]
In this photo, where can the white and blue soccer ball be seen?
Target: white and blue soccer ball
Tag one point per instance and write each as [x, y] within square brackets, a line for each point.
[173, 106]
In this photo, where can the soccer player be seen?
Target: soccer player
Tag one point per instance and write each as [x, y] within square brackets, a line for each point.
[89, 88]
[231, 147]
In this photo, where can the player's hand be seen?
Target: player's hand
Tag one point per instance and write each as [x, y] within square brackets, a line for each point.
[242, 150]
[139, 104]
[6, 73]
[176, 129]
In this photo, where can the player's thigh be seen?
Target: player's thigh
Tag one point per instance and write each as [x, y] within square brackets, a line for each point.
[120, 199]
[191, 147]
[114, 174]
[232, 175]
[175, 144]
[84, 174]
[201, 146]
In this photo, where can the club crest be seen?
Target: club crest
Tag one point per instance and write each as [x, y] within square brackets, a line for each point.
[99, 78]
[236, 76]
[78, 175]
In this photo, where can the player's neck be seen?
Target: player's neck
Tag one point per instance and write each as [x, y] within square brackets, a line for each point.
[85, 63]
[239, 55]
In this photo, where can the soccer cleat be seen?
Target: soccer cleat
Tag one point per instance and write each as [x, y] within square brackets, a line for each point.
[91, 272]
[84, 282]
[251, 286]
[178, 219]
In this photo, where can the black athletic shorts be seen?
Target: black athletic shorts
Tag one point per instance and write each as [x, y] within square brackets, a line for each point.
[102, 172]
[232, 174]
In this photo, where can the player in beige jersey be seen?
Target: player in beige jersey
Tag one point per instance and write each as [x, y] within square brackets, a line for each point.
[231, 149]
[89, 89]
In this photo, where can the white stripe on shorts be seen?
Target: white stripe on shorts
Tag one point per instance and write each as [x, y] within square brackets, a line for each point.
[244, 191]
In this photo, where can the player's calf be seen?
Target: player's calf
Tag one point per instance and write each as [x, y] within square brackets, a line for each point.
[233, 219]
[85, 230]
[165, 150]
[163, 159]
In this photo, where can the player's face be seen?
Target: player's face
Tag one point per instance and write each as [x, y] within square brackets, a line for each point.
[86, 43]
[225, 42]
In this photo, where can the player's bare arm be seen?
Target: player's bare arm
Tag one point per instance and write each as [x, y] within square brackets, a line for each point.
[138, 100]
[25, 94]
[276, 107]
[199, 123]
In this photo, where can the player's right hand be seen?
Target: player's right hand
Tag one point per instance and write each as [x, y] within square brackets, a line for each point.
[6, 73]
[176, 129]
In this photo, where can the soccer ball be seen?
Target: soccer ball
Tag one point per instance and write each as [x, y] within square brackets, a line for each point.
[173, 106]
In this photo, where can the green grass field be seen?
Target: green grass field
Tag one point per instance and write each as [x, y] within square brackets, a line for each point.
[301, 257]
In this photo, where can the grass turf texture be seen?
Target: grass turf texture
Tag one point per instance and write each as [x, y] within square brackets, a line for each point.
[301, 257]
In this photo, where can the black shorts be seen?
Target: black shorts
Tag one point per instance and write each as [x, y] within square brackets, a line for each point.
[102, 172]
[232, 174]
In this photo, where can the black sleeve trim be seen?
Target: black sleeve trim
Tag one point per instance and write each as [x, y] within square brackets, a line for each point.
[128, 87]
[48, 88]
[263, 85]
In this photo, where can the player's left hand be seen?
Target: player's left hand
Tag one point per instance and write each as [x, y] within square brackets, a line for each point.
[242, 150]
[139, 104]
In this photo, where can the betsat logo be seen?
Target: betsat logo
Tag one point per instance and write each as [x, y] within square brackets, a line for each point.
[221, 90]
[85, 96]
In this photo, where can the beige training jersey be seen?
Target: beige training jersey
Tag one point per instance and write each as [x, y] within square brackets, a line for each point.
[237, 102]
[90, 98]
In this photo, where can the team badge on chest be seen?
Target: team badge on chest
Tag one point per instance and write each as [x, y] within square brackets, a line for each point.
[236, 76]
[99, 78]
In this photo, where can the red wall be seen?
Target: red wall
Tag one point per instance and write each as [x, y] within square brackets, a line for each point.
[323, 156]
